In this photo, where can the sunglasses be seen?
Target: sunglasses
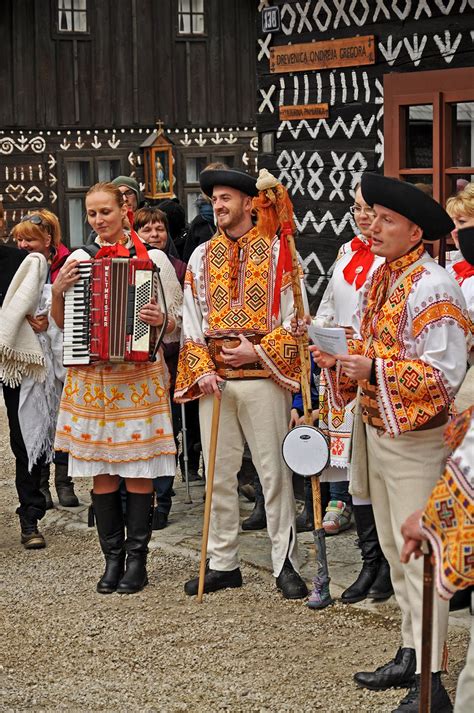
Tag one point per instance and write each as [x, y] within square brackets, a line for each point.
[35, 219]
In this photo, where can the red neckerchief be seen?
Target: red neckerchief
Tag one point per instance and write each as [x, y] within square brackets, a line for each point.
[360, 263]
[119, 250]
[463, 270]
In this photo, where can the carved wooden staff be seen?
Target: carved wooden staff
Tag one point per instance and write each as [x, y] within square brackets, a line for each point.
[426, 633]
[319, 534]
[211, 464]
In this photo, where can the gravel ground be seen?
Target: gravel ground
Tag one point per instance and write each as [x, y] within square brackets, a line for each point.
[64, 647]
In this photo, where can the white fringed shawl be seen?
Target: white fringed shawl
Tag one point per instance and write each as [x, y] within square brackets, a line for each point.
[20, 350]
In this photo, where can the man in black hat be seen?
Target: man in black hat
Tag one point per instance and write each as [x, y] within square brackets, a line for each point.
[233, 332]
[409, 361]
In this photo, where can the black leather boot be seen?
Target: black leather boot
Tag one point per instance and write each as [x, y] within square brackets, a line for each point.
[138, 518]
[382, 587]
[371, 555]
[399, 672]
[440, 701]
[64, 487]
[110, 528]
[44, 486]
[258, 518]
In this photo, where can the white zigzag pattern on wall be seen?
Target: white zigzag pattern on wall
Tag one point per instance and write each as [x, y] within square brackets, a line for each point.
[330, 129]
[319, 224]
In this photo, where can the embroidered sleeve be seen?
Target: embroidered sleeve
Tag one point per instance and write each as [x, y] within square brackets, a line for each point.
[194, 360]
[448, 520]
[411, 391]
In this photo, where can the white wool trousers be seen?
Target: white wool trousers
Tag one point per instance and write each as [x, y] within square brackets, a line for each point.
[256, 411]
[402, 474]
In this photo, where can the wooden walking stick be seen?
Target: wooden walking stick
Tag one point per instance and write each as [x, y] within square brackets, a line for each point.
[426, 633]
[216, 410]
[275, 205]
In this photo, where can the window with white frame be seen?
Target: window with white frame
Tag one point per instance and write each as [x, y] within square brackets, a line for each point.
[191, 17]
[72, 16]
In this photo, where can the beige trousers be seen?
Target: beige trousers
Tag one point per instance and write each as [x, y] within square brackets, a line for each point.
[402, 474]
[256, 411]
[465, 691]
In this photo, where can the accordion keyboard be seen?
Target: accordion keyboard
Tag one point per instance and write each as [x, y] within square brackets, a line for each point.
[77, 319]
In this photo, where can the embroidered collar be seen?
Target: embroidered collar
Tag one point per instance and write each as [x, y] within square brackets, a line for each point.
[403, 262]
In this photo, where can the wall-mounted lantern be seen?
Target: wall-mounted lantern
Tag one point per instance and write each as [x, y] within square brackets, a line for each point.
[158, 162]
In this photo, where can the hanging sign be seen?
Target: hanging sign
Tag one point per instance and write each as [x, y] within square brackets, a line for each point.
[304, 111]
[346, 52]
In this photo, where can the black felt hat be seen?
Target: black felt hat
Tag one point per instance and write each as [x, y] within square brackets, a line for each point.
[466, 244]
[407, 200]
[228, 177]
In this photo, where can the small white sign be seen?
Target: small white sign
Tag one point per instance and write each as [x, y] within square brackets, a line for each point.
[271, 19]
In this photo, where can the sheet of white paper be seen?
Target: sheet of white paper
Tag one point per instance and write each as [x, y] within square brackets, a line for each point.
[331, 340]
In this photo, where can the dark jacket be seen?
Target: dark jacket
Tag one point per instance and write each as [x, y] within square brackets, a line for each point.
[10, 260]
[200, 231]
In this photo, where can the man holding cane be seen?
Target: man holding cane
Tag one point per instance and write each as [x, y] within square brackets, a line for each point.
[409, 360]
[233, 332]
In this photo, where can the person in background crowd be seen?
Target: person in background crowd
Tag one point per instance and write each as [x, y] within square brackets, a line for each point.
[151, 225]
[260, 371]
[114, 419]
[461, 210]
[355, 265]
[40, 232]
[32, 501]
[408, 376]
[178, 228]
[130, 191]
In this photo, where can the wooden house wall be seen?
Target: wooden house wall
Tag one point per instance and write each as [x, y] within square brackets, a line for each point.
[320, 161]
[131, 69]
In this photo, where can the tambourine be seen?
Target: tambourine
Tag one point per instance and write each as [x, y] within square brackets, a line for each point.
[306, 450]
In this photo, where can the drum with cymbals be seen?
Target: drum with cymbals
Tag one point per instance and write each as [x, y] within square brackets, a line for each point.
[306, 450]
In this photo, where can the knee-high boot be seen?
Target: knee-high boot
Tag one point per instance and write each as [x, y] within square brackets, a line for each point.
[257, 519]
[110, 528]
[139, 519]
[371, 555]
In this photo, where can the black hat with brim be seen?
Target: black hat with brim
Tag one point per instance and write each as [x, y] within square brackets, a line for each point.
[239, 180]
[466, 243]
[407, 200]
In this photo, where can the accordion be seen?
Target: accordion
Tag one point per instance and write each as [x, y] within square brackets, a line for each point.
[101, 321]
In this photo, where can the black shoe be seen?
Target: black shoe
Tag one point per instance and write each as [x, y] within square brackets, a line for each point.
[440, 701]
[360, 588]
[257, 519]
[304, 522]
[382, 587]
[160, 520]
[110, 528]
[290, 583]
[214, 580]
[398, 673]
[139, 520]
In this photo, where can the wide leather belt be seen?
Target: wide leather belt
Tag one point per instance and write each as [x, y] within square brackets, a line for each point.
[440, 419]
[371, 414]
[255, 370]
